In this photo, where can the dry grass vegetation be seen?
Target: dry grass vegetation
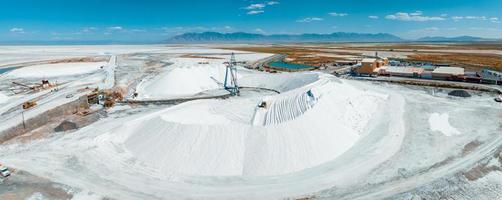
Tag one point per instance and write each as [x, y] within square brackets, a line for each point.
[316, 55]
[473, 62]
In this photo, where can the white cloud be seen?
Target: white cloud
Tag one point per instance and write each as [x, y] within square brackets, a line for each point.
[480, 18]
[444, 15]
[255, 12]
[416, 13]
[476, 17]
[259, 30]
[115, 28]
[416, 16]
[373, 17]
[256, 6]
[457, 18]
[334, 14]
[259, 8]
[16, 30]
[138, 30]
[88, 29]
[309, 19]
[271, 3]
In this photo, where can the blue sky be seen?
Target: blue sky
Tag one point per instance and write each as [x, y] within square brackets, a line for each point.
[154, 20]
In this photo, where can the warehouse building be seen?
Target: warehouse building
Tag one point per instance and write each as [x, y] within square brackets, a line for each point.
[447, 73]
[412, 72]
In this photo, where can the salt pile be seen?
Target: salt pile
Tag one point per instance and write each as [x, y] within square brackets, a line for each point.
[55, 70]
[302, 128]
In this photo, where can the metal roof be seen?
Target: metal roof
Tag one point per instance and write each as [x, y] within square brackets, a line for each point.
[369, 60]
[449, 70]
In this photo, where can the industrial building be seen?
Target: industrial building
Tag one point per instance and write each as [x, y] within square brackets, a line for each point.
[370, 66]
[446, 73]
[412, 72]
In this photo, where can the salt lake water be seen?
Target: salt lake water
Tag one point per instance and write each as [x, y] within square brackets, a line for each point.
[282, 64]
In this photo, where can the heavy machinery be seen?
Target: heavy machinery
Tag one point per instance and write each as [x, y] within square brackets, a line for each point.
[29, 104]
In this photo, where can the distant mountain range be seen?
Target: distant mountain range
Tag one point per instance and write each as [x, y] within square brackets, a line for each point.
[455, 39]
[242, 37]
[213, 37]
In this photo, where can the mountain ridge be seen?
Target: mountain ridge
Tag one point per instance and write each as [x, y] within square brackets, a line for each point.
[210, 37]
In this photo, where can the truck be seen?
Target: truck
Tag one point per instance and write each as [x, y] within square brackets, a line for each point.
[4, 171]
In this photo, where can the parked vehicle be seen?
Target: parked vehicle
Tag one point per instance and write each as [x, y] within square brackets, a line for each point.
[4, 171]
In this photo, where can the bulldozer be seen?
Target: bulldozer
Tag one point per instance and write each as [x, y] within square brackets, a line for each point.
[29, 104]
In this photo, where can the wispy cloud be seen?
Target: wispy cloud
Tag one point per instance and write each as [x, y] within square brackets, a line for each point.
[480, 18]
[17, 30]
[335, 14]
[426, 30]
[309, 19]
[115, 28]
[259, 8]
[88, 30]
[414, 16]
[256, 6]
[255, 12]
[373, 17]
[259, 30]
[271, 3]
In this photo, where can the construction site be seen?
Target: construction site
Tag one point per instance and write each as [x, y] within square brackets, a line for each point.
[225, 122]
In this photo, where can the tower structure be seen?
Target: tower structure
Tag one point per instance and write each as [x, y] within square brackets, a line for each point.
[230, 83]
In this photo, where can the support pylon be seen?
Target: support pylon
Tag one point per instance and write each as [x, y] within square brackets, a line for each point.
[230, 83]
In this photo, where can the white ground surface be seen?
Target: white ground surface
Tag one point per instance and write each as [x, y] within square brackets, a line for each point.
[320, 136]
[3, 98]
[439, 122]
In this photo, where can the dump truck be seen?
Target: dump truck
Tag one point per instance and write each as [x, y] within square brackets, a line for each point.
[29, 104]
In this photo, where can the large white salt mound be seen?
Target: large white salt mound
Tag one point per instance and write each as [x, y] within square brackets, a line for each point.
[216, 137]
[54, 70]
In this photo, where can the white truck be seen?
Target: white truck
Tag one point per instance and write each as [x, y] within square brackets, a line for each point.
[4, 171]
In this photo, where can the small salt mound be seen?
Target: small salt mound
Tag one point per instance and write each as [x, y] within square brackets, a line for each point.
[439, 122]
[54, 70]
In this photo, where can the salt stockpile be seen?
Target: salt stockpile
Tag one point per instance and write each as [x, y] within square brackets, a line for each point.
[56, 70]
[302, 128]
[189, 76]
[185, 77]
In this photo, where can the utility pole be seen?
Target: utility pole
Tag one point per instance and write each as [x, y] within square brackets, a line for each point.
[22, 114]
